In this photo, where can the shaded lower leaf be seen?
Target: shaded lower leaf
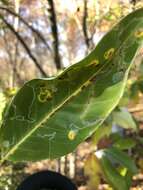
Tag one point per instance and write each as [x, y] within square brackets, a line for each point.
[112, 176]
[129, 179]
[124, 144]
[118, 168]
[122, 158]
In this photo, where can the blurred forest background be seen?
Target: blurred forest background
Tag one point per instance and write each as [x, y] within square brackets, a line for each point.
[39, 38]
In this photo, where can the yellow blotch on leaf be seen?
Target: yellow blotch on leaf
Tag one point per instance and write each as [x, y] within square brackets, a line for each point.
[122, 170]
[109, 53]
[43, 96]
[139, 34]
[94, 62]
[72, 134]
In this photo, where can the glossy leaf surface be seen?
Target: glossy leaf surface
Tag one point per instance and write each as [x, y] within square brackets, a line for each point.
[48, 118]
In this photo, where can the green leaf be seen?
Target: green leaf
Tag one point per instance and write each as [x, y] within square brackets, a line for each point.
[115, 136]
[118, 168]
[48, 118]
[124, 119]
[122, 158]
[112, 176]
[128, 179]
[124, 144]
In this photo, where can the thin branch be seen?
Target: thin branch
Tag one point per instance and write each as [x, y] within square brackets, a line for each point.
[24, 45]
[85, 25]
[41, 37]
[54, 28]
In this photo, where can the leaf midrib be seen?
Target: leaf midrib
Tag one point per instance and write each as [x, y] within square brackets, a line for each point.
[12, 150]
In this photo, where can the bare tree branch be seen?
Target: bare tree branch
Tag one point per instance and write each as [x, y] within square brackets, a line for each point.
[24, 45]
[54, 28]
[85, 25]
[41, 37]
